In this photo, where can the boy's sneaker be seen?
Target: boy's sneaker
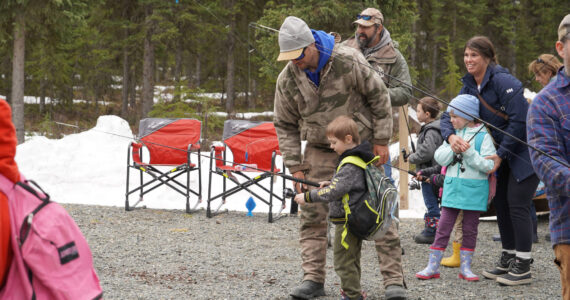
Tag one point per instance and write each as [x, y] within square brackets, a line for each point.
[518, 274]
[501, 268]
[308, 290]
[343, 295]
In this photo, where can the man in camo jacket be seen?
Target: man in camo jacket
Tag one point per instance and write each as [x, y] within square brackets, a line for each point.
[322, 81]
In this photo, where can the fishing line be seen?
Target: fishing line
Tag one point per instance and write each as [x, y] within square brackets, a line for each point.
[245, 166]
[342, 57]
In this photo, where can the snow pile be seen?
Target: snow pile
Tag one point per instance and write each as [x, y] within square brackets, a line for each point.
[90, 168]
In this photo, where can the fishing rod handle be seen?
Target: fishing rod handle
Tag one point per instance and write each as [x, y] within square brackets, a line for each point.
[303, 181]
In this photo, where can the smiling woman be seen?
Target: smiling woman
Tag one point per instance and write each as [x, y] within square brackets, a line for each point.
[503, 105]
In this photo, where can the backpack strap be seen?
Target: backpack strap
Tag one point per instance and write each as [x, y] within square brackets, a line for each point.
[357, 161]
[27, 222]
[479, 140]
[352, 159]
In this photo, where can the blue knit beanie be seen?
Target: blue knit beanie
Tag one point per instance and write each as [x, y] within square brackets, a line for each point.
[466, 103]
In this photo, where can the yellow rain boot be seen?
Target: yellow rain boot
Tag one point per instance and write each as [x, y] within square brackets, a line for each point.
[453, 261]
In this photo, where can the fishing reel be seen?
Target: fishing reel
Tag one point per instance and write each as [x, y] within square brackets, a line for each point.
[405, 155]
[414, 185]
[288, 193]
[458, 159]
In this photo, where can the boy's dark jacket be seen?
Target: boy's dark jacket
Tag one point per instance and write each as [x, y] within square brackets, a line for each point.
[349, 179]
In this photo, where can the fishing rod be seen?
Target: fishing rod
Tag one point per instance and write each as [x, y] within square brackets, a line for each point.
[382, 73]
[335, 55]
[407, 171]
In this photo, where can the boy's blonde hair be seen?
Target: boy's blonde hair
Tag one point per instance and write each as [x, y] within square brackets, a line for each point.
[342, 126]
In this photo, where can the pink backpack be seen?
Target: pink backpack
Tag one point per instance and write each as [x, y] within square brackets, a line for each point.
[51, 257]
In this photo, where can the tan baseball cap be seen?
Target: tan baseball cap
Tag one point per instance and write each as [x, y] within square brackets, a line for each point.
[294, 35]
[376, 17]
[564, 27]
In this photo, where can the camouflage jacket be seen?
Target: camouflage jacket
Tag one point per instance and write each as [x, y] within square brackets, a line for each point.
[348, 86]
[389, 59]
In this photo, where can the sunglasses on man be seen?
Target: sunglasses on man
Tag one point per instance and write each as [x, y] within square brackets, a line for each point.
[302, 55]
[364, 17]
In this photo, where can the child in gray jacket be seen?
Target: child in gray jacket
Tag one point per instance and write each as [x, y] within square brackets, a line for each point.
[429, 139]
[348, 182]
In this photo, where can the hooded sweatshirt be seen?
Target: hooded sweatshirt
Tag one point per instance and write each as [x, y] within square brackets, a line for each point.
[325, 44]
[9, 169]
[349, 179]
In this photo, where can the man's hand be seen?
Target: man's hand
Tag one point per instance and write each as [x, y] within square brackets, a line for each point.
[458, 145]
[383, 152]
[495, 158]
[322, 184]
[300, 199]
[299, 188]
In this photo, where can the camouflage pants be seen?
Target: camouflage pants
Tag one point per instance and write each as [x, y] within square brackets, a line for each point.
[314, 228]
[389, 253]
[314, 224]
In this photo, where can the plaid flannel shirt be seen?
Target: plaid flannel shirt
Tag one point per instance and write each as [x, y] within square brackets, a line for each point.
[548, 129]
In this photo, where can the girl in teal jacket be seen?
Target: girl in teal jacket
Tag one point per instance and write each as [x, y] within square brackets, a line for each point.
[466, 185]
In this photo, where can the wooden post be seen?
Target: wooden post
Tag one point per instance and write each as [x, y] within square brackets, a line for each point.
[403, 138]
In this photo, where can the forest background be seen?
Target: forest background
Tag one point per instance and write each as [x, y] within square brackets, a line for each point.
[115, 54]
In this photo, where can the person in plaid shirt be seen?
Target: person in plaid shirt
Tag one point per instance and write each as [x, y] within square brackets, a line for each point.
[548, 129]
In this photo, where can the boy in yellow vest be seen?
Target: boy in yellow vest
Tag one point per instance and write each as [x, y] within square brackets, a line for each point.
[349, 182]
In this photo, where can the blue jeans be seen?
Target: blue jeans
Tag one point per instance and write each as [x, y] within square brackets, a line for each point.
[430, 200]
[388, 168]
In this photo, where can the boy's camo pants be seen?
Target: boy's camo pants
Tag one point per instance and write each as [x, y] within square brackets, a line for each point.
[314, 226]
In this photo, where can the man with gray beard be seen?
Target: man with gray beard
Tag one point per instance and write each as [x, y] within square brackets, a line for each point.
[374, 41]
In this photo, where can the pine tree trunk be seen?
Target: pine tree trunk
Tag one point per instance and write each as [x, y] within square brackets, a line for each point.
[177, 69]
[133, 88]
[253, 96]
[434, 66]
[230, 71]
[17, 96]
[148, 66]
[198, 71]
[42, 95]
[414, 45]
[125, 90]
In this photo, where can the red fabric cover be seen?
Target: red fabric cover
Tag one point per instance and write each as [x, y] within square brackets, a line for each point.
[135, 148]
[218, 150]
[178, 134]
[9, 169]
[257, 142]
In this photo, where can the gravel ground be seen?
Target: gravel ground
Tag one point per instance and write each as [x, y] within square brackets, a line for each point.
[167, 254]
